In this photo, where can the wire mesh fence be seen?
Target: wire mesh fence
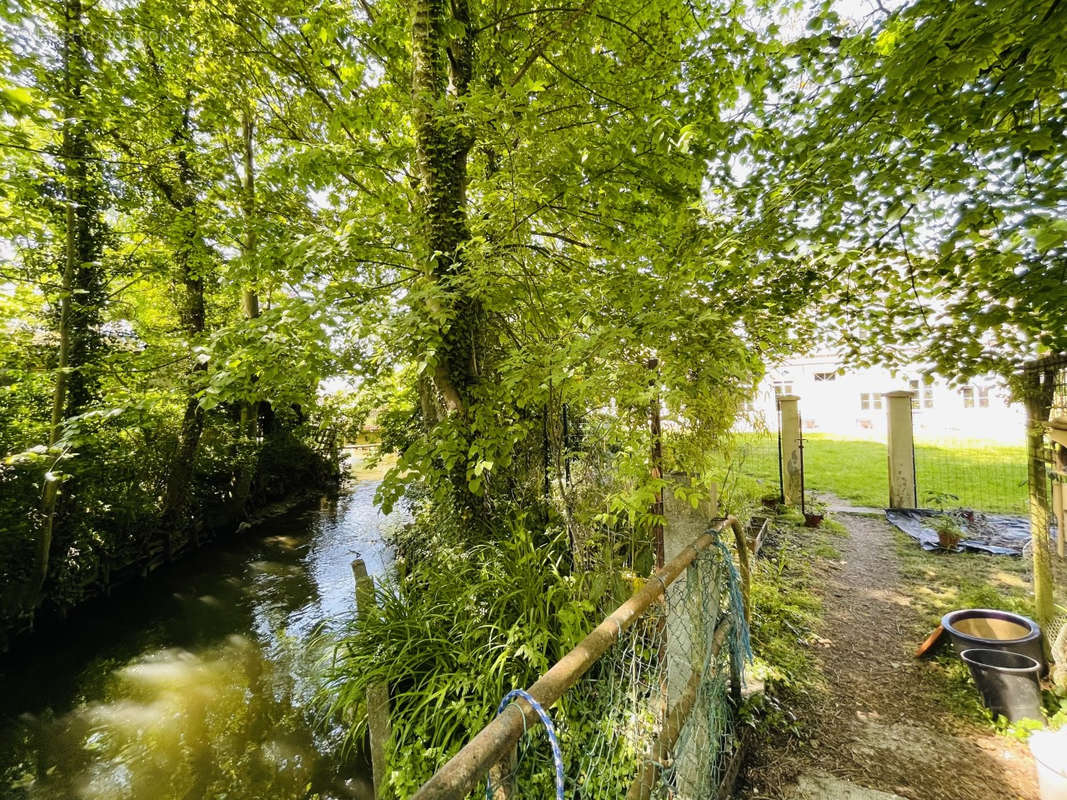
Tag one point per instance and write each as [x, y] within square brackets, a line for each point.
[756, 451]
[1045, 382]
[850, 470]
[981, 476]
[1052, 374]
[985, 475]
[653, 717]
[992, 476]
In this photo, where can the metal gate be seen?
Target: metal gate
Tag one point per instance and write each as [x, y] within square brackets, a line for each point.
[757, 453]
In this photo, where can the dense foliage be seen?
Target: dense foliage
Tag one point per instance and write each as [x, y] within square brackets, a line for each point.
[488, 214]
[920, 154]
[158, 378]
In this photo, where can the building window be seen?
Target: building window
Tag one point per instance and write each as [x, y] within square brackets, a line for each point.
[971, 394]
[782, 387]
[825, 376]
[923, 394]
[871, 400]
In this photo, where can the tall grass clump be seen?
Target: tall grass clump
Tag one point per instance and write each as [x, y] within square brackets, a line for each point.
[458, 626]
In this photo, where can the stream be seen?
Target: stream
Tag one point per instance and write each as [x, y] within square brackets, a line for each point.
[199, 683]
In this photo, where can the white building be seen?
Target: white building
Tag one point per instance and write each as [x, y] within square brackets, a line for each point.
[847, 401]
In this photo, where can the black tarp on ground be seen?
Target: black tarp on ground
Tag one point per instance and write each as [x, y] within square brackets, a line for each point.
[996, 534]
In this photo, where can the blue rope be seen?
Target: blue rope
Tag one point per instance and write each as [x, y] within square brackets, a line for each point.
[557, 755]
[741, 646]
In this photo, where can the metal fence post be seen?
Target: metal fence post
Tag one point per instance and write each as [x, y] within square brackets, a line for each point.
[903, 492]
[792, 464]
[377, 694]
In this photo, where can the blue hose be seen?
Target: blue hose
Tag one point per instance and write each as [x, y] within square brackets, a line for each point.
[557, 755]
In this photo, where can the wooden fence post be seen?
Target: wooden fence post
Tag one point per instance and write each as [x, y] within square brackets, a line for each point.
[792, 460]
[378, 693]
[1057, 513]
[902, 490]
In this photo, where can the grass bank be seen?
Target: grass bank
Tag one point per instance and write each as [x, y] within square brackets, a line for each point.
[786, 609]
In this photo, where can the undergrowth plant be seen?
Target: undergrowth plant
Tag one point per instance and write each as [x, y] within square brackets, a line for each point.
[786, 615]
[457, 628]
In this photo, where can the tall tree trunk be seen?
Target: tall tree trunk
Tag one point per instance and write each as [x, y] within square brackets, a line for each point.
[59, 389]
[249, 296]
[441, 76]
[82, 285]
[1038, 397]
[190, 257]
[180, 477]
[80, 279]
[249, 421]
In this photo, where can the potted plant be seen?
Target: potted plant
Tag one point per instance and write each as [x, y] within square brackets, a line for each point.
[814, 511]
[940, 500]
[948, 531]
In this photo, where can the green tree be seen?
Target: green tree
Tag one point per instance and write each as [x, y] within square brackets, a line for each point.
[921, 155]
[918, 158]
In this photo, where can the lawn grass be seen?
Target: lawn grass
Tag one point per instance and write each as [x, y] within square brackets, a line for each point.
[984, 476]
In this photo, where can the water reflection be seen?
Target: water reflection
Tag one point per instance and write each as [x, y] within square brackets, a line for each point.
[199, 685]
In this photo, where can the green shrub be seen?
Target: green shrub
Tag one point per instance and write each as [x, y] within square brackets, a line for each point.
[20, 521]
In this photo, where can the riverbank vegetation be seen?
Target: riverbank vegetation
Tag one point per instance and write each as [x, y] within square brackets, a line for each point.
[157, 380]
[212, 208]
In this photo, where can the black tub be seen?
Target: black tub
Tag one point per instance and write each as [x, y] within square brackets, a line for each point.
[1007, 681]
[991, 629]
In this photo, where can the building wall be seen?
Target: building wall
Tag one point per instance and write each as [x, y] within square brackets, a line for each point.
[851, 403]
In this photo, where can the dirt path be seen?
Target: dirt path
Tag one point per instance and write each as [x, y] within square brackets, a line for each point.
[879, 724]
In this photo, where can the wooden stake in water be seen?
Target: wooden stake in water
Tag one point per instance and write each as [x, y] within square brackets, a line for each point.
[378, 693]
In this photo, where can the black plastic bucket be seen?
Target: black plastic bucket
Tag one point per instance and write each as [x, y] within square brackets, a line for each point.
[1008, 682]
[991, 629]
